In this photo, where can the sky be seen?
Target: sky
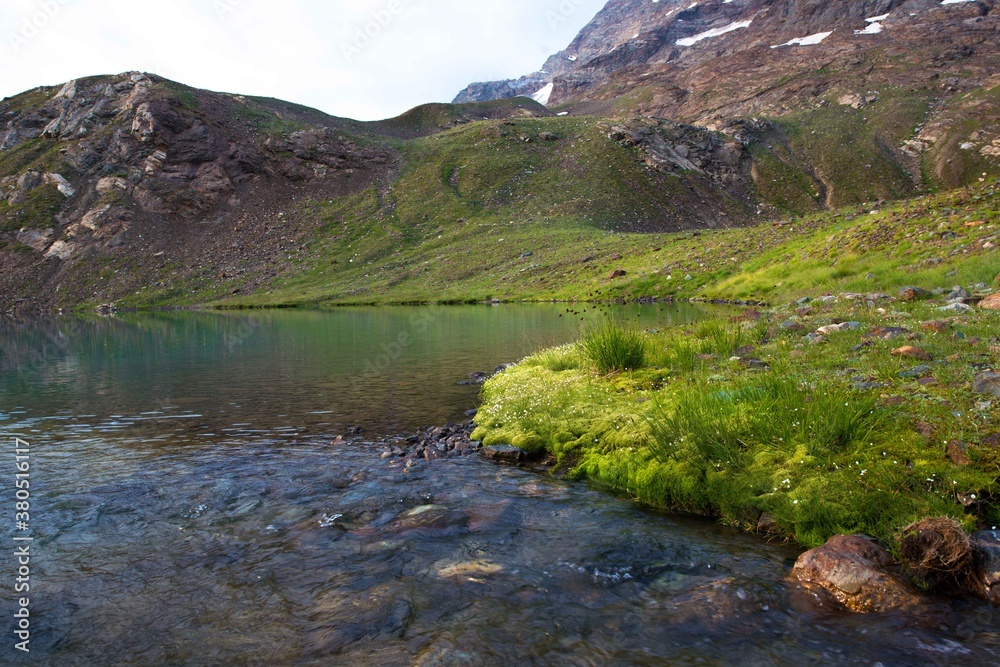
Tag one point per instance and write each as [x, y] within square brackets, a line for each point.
[364, 59]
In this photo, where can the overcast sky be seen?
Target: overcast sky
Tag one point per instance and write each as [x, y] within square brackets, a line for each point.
[313, 52]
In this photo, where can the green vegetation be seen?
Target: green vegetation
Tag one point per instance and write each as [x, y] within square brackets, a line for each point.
[37, 212]
[417, 244]
[806, 439]
[614, 347]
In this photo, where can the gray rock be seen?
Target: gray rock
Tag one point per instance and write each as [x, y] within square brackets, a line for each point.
[987, 383]
[987, 544]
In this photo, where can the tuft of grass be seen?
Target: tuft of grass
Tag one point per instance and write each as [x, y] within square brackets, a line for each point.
[767, 412]
[614, 347]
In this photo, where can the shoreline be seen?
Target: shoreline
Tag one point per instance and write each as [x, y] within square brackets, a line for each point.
[911, 374]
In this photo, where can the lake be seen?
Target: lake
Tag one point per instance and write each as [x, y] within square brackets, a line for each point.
[189, 507]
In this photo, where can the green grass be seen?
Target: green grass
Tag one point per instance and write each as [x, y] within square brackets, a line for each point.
[37, 212]
[791, 437]
[614, 348]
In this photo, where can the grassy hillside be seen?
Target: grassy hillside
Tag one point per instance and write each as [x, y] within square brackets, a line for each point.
[939, 240]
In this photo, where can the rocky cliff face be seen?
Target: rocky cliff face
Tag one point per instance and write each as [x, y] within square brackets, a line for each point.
[703, 61]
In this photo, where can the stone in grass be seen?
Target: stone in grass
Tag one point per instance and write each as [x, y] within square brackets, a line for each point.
[911, 293]
[956, 308]
[834, 328]
[857, 573]
[937, 326]
[987, 383]
[887, 333]
[911, 352]
[992, 302]
[958, 452]
[617, 273]
[938, 552]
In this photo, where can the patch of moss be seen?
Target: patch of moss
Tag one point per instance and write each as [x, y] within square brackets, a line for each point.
[795, 435]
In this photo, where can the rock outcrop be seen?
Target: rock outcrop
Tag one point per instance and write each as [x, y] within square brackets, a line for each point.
[856, 573]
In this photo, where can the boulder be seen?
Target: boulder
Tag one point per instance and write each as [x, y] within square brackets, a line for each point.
[61, 184]
[60, 250]
[617, 273]
[987, 383]
[992, 302]
[37, 240]
[987, 548]
[110, 183]
[857, 573]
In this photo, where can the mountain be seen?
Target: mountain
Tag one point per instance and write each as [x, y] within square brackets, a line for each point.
[704, 61]
[661, 117]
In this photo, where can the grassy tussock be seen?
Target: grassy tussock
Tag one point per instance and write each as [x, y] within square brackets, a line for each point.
[614, 348]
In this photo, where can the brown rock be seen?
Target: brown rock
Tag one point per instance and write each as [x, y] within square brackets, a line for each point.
[992, 302]
[856, 572]
[958, 452]
[937, 326]
[927, 382]
[924, 429]
[914, 294]
[987, 383]
[911, 352]
[617, 273]
[992, 440]
[504, 454]
[938, 552]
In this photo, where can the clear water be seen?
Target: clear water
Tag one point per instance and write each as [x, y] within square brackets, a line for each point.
[190, 509]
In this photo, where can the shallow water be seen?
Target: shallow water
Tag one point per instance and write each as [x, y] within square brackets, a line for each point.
[189, 509]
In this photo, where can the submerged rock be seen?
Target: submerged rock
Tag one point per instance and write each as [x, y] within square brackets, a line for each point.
[855, 572]
[504, 454]
[987, 546]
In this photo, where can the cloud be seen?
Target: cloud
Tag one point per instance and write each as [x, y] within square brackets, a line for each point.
[364, 59]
